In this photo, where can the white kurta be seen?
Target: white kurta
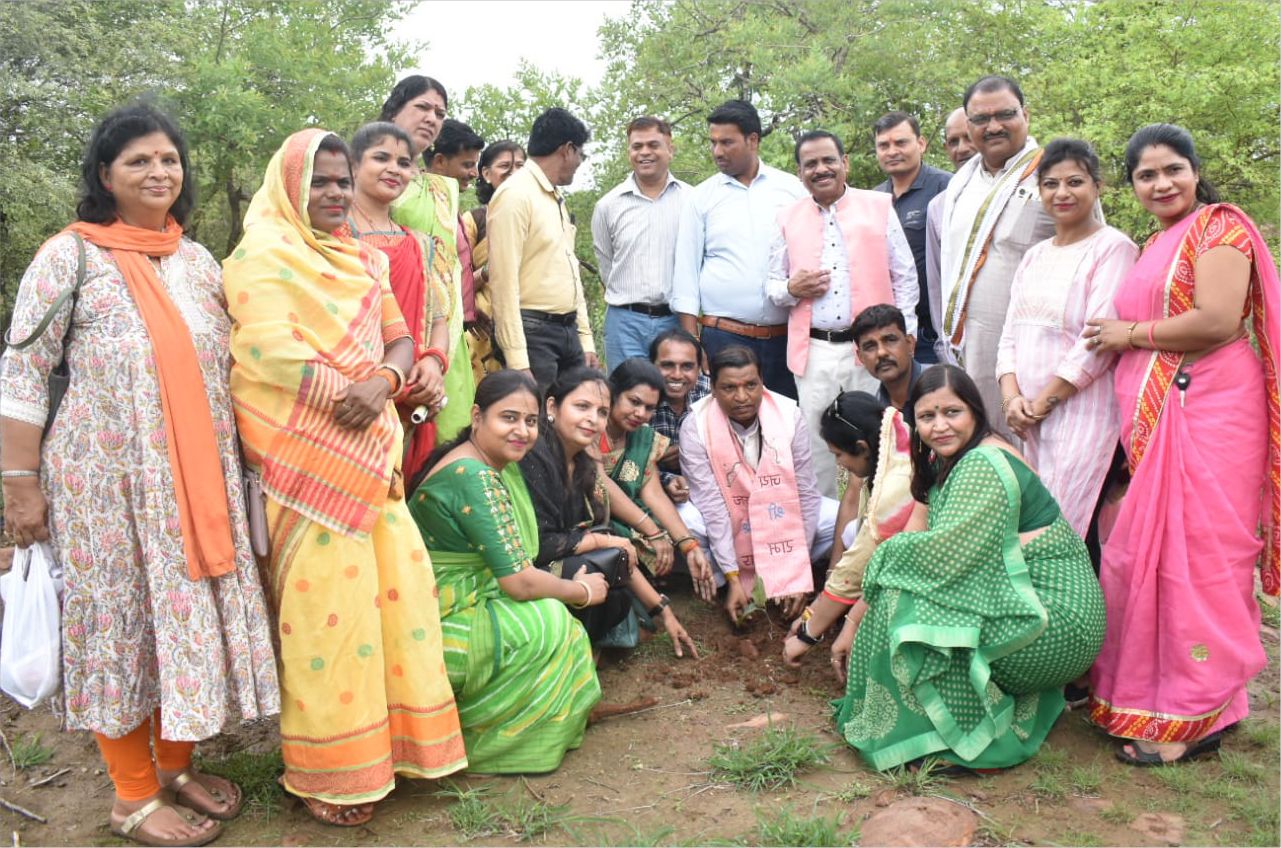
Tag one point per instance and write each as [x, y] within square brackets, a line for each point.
[1055, 291]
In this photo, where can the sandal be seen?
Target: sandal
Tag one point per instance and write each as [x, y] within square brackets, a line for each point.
[337, 814]
[129, 828]
[1147, 759]
[187, 777]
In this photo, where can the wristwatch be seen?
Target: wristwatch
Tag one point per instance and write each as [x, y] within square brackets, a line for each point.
[663, 603]
[803, 633]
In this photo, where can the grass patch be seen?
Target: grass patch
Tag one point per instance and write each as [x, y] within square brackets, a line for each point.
[1049, 785]
[28, 752]
[1080, 837]
[856, 791]
[1260, 819]
[256, 775]
[1179, 779]
[1117, 814]
[769, 761]
[474, 814]
[1051, 759]
[1260, 733]
[787, 829]
[1271, 611]
[1086, 780]
[1239, 767]
[922, 781]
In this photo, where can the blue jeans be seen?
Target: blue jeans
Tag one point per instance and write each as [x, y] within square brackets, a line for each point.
[628, 334]
[771, 352]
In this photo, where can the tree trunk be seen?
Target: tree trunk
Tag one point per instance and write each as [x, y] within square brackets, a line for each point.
[234, 198]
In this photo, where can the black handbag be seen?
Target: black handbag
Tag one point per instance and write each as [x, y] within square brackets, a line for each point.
[60, 376]
[611, 562]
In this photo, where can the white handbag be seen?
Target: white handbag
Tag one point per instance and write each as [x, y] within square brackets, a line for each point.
[31, 640]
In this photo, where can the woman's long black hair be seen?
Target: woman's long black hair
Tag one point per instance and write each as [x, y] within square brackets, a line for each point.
[852, 423]
[492, 389]
[926, 472]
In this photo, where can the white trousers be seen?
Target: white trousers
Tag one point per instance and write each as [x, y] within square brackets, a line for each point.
[832, 368]
[820, 545]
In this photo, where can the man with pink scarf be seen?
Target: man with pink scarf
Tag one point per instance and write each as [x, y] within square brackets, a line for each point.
[745, 451]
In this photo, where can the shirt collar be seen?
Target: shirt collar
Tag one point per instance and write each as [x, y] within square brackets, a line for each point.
[840, 201]
[761, 171]
[541, 178]
[630, 184]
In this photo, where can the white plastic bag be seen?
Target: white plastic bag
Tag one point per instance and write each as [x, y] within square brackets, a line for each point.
[31, 641]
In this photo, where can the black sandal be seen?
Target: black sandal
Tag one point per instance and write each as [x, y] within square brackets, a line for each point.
[1147, 759]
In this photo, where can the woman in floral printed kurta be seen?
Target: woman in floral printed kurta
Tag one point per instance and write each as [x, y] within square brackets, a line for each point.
[150, 643]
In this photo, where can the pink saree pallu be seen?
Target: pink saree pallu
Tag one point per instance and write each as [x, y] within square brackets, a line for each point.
[1178, 570]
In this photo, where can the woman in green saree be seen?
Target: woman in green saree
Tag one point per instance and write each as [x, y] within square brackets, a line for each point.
[429, 205]
[630, 450]
[520, 665]
[975, 624]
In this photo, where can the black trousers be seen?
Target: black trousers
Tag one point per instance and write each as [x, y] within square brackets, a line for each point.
[552, 347]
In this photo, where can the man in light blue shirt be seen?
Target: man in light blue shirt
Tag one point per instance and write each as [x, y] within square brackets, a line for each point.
[722, 249]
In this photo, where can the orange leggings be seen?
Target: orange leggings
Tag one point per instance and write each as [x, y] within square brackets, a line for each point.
[130, 764]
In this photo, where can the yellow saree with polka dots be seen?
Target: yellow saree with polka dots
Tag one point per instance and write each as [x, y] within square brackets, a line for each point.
[365, 694]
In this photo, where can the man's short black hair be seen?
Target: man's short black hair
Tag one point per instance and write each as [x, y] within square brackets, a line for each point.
[554, 128]
[740, 113]
[454, 138]
[989, 84]
[876, 317]
[675, 334]
[734, 356]
[890, 120]
[815, 135]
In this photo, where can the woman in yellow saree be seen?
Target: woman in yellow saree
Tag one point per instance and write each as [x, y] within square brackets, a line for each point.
[320, 349]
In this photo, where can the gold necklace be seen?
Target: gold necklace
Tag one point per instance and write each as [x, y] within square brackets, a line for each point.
[373, 225]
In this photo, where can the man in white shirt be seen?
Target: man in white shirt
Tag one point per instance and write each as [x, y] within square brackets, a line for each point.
[992, 214]
[634, 233]
[834, 254]
[722, 250]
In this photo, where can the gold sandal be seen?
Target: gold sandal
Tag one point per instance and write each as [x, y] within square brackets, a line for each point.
[187, 776]
[128, 829]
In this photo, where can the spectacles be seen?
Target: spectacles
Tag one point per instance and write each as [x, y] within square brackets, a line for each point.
[1002, 117]
[582, 154]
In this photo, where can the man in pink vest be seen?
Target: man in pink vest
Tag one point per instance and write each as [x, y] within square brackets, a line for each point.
[834, 254]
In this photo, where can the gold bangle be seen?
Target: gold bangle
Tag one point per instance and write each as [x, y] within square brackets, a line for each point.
[1129, 336]
[590, 598]
[731, 577]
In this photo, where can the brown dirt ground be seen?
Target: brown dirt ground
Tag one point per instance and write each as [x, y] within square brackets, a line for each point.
[643, 778]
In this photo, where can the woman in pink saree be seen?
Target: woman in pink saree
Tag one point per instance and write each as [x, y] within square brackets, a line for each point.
[1199, 425]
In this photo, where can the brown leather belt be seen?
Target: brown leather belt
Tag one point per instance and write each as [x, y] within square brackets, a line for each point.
[738, 328]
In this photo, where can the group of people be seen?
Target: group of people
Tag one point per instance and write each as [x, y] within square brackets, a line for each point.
[393, 498]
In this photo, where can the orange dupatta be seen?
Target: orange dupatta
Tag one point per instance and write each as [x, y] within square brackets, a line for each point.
[194, 455]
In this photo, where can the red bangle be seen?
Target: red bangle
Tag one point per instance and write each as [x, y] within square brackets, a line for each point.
[438, 355]
[1151, 330]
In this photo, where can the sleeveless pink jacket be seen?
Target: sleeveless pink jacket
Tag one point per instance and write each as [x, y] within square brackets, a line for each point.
[862, 216]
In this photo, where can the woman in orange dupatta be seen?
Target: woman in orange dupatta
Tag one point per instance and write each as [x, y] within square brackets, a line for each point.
[1199, 426]
[382, 168]
[166, 634]
[320, 349]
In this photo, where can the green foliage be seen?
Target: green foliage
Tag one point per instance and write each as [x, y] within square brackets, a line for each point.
[771, 760]
[237, 75]
[28, 752]
[918, 781]
[256, 775]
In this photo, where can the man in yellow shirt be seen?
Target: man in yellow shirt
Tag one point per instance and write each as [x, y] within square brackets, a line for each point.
[540, 313]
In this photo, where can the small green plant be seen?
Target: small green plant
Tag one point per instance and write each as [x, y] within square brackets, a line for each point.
[857, 790]
[918, 781]
[1271, 611]
[256, 775]
[1080, 837]
[28, 752]
[770, 761]
[1053, 759]
[1261, 818]
[1260, 733]
[1086, 780]
[787, 829]
[1182, 781]
[1117, 814]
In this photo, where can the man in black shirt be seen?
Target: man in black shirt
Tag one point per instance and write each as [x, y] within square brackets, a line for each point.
[899, 147]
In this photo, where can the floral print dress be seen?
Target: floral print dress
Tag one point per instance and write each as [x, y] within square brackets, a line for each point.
[138, 632]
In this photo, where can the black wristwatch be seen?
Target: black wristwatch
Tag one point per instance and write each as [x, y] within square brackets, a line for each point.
[803, 633]
[663, 603]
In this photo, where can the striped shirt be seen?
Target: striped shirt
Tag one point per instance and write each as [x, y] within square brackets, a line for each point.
[635, 241]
